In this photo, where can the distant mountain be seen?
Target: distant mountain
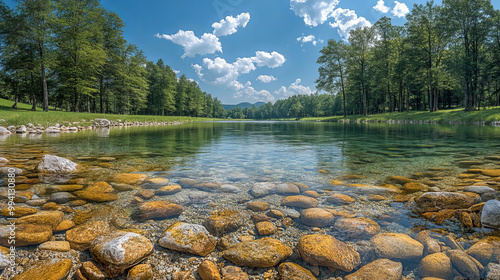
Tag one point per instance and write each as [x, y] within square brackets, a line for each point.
[243, 105]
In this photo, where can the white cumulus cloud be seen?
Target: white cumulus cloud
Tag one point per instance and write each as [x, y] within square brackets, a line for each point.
[400, 10]
[309, 38]
[219, 71]
[314, 12]
[230, 25]
[381, 7]
[266, 78]
[294, 89]
[346, 20]
[247, 91]
[271, 60]
[207, 44]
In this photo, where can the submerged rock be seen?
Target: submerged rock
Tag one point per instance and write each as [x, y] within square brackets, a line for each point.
[81, 236]
[55, 164]
[51, 218]
[53, 269]
[436, 265]
[26, 234]
[490, 216]
[300, 201]
[485, 249]
[326, 250]
[188, 238]
[338, 198]
[435, 201]
[120, 250]
[265, 252]
[292, 271]
[379, 269]
[397, 246]
[159, 209]
[357, 228]
[140, 272]
[223, 222]
[208, 271]
[316, 217]
[128, 178]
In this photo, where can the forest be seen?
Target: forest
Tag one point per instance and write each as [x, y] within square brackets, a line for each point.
[445, 56]
[71, 55]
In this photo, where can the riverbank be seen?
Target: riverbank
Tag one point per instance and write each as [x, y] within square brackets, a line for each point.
[453, 116]
[24, 116]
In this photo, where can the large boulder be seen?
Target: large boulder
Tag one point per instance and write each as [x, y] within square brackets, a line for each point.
[55, 164]
[436, 201]
[120, 250]
[265, 252]
[379, 269]
[397, 246]
[490, 216]
[53, 269]
[464, 264]
[188, 238]
[326, 250]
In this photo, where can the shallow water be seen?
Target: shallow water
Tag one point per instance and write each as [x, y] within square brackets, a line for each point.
[242, 153]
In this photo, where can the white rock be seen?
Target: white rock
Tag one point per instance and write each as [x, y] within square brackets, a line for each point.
[4, 131]
[22, 129]
[3, 160]
[262, 189]
[490, 216]
[7, 170]
[55, 164]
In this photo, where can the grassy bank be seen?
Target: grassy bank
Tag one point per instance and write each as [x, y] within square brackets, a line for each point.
[445, 116]
[23, 115]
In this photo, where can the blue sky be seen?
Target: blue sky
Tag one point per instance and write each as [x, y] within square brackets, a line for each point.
[248, 50]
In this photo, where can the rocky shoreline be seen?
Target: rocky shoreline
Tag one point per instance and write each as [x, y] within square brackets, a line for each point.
[75, 127]
[74, 224]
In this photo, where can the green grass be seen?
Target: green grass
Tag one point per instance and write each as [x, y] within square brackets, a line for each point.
[445, 116]
[24, 115]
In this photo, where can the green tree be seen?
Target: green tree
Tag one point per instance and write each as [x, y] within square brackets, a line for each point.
[332, 70]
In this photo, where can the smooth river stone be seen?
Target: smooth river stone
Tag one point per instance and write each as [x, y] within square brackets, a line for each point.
[379, 269]
[338, 198]
[53, 269]
[81, 236]
[326, 250]
[357, 228]
[207, 270]
[26, 234]
[51, 218]
[265, 252]
[485, 249]
[159, 209]
[120, 250]
[436, 265]
[435, 201]
[128, 178]
[490, 216]
[316, 217]
[300, 201]
[188, 238]
[292, 271]
[464, 264]
[55, 164]
[397, 246]
[223, 222]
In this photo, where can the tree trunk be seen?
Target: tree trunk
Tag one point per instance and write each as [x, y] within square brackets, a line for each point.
[44, 82]
[76, 101]
[101, 92]
[16, 98]
[33, 92]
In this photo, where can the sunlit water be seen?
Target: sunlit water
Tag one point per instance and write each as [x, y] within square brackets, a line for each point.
[242, 153]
